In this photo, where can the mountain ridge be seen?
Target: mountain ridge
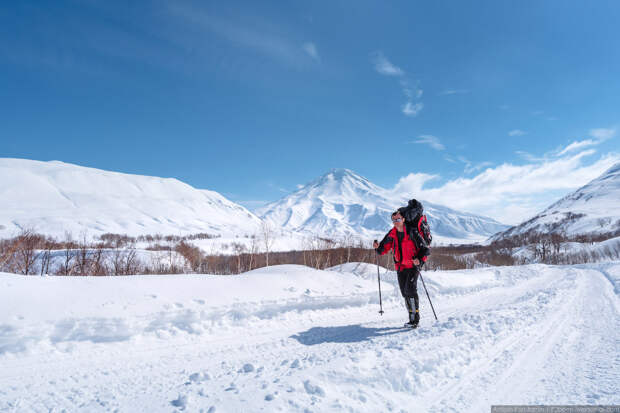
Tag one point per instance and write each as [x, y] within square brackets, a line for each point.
[343, 203]
[591, 209]
[54, 197]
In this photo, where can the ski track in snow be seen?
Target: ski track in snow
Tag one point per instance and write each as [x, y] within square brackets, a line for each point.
[511, 335]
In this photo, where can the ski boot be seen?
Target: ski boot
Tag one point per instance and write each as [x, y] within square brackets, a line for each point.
[414, 319]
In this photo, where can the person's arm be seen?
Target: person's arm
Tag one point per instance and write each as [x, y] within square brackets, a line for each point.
[385, 245]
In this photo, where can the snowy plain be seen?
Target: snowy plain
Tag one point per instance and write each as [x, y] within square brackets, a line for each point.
[291, 338]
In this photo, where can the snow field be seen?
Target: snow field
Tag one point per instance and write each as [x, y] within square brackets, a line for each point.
[290, 338]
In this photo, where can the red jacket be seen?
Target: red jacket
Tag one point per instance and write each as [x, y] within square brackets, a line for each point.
[410, 252]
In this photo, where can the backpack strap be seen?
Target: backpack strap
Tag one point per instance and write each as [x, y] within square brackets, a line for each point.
[422, 217]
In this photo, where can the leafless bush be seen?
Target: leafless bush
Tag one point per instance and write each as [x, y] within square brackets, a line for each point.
[192, 254]
[26, 252]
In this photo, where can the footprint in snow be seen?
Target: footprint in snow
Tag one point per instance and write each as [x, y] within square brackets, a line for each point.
[180, 402]
[199, 377]
[313, 389]
[247, 368]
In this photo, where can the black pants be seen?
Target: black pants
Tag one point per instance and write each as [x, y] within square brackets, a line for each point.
[408, 283]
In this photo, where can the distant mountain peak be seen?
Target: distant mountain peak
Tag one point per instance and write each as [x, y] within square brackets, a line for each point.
[339, 182]
[343, 202]
[339, 175]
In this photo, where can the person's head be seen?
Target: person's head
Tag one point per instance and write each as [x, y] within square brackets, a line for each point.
[398, 220]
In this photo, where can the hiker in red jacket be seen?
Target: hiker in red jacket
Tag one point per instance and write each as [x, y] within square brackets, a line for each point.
[407, 258]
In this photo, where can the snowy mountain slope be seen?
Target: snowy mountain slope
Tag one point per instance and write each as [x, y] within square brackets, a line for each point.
[592, 209]
[54, 197]
[342, 202]
[295, 339]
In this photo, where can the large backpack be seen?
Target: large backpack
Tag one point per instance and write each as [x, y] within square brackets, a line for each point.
[419, 230]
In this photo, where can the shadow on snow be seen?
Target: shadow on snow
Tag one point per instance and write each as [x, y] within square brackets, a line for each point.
[344, 334]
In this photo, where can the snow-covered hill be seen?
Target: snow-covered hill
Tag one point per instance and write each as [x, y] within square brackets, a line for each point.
[295, 339]
[592, 209]
[54, 197]
[342, 203]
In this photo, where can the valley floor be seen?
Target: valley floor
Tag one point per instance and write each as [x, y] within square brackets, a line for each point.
[290, 338]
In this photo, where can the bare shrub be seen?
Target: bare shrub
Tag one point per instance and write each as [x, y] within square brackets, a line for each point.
[26, 253]
[192, 254]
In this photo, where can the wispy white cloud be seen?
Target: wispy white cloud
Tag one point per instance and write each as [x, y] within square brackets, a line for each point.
[603, 133]
[471, 166]
[517, 132]
[431, 141]
[412, 109]
[600, 135]
[310, 49]
[529, 157]
[410, 89]
[453, 92]
[512, 193]
[385, 67]
[577, 145]
[261, 38]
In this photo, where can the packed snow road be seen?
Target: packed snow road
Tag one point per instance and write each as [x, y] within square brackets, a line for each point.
[290, 338]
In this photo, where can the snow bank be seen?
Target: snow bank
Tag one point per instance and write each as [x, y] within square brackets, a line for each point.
[60, 309]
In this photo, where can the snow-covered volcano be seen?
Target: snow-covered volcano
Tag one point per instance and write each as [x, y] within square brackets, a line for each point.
[54, 197]
[343, 203]
[592, 209]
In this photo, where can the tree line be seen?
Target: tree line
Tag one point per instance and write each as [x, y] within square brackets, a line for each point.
[31, 253]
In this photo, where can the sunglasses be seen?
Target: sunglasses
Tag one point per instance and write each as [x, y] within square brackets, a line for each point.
[397, 220]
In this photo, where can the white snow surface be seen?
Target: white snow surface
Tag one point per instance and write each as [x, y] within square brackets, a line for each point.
[54, 197]
[342, 203]
[290, 338]
[592, 209]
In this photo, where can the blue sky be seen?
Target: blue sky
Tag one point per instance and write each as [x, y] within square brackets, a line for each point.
[494, 107]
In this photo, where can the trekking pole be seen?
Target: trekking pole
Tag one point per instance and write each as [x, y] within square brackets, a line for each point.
[379, 280]
[428, 296]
